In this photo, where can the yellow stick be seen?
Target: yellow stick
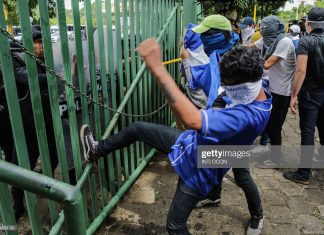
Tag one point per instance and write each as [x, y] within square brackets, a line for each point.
[255, 13]
[171, 61]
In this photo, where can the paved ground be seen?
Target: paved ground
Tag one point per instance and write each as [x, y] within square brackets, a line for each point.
[289, 208]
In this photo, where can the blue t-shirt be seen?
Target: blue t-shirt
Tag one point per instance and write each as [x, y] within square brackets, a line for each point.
[296, 42]
[239, 125]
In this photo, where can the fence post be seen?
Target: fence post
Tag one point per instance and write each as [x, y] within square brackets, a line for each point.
[74, 213]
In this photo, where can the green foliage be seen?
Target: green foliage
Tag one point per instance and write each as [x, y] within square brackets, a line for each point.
[13, 15]
[296, 13]
[243, 7]
[319, 3]
[11, 6]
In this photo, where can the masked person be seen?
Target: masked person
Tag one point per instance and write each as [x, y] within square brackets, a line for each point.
[294, 34]
[278, 52]
[247, 26]
[309, 87]
[205, 45]
[203, 48]
[231, 125]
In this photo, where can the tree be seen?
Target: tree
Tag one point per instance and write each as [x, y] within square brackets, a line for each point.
[243, 7]
[265, 8]
[295, 13]
[13, 15]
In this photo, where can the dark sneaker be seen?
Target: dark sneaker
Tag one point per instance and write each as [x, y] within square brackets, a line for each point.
[296, 177]
[255, 226]
[208, 203]
[89, 144]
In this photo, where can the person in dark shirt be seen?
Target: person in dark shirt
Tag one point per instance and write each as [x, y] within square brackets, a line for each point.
[6, 137]
[309, 87]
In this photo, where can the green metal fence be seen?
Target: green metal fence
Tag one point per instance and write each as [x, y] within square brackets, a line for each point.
[125, 92]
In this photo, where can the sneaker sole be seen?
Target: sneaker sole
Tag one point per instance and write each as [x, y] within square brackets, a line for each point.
[300, 182]
[297, 181]
[82, 141]
[265, 166]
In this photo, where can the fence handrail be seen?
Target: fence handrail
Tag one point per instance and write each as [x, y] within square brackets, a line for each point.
[68, 195]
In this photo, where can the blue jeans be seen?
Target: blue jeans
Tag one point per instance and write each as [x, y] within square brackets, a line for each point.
[184, 201]
[311, 114]
[155, 135]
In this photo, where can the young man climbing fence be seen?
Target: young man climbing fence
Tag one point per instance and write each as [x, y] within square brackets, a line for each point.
[239, 124]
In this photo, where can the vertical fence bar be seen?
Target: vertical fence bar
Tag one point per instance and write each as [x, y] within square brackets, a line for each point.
[104, 95]
[94, 93]
[155, 88]
[160, 98]
[35, 99]
[113, 88]
[120, 82]
[139, 38]
[80, 61]
[163, 44]
[6, 212]
[188, 13]
[129, 154]
[144, 15]
[133, 74]
[149, 80]
[15, 117]
[74, 212]
[178, 32]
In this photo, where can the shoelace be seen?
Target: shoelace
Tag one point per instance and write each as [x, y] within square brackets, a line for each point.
[92, 143]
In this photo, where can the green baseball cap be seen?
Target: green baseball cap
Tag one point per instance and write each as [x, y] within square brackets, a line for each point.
[213, 22]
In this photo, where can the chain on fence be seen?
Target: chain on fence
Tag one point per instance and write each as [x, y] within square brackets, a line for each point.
[76, 90]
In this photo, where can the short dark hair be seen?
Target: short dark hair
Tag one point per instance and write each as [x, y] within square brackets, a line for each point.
[36, 33]
[241, 64]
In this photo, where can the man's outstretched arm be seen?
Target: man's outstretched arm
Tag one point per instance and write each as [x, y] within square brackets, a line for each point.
[179, 103]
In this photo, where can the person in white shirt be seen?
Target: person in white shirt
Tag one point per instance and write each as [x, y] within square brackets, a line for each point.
[278, 52]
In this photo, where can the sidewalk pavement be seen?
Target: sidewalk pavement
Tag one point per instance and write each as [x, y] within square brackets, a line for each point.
[289, 208]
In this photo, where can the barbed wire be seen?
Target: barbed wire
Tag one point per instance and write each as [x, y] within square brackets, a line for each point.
[75, 89]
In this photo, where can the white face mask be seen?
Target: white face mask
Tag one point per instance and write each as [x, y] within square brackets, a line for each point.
[317, 25]
[244, 93]
[247, 35]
